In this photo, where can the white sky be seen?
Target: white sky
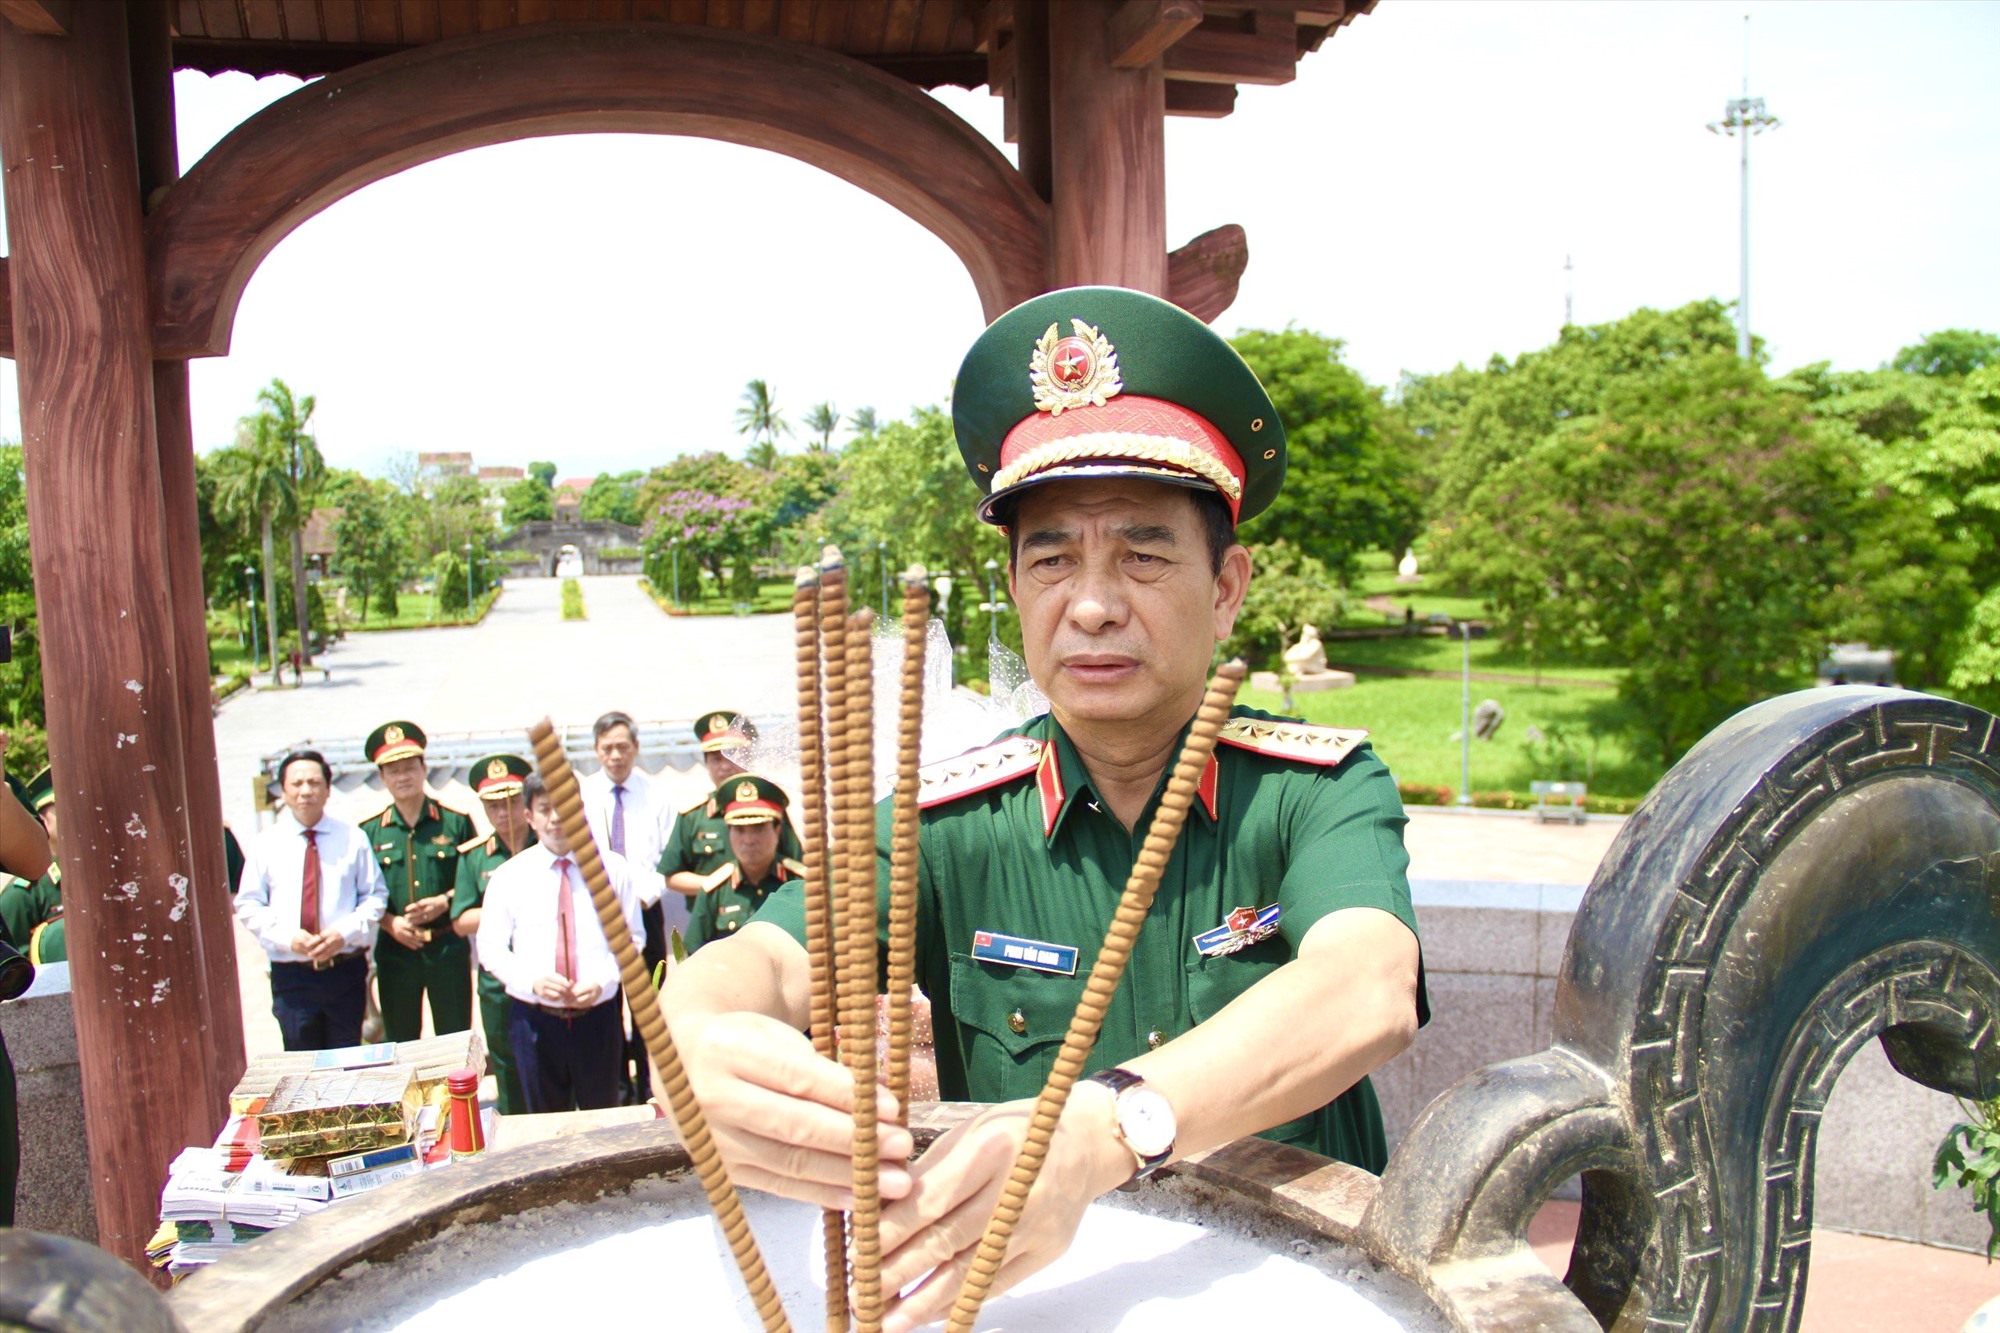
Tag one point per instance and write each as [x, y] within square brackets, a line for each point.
[601, 301]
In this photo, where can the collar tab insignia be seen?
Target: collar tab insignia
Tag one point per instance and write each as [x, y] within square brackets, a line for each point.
[1078, 370]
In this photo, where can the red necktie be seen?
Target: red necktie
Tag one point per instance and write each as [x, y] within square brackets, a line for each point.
[565, 923]
[309, 886]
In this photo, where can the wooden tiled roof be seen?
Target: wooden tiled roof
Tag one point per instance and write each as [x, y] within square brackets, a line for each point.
[1209, 44]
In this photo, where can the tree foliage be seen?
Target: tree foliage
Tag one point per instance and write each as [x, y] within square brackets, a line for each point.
[1350, 479]
[526, 501]
[1690, 528]
[1953, 353]
[614, 498]
[369, 544]
[1288, 591]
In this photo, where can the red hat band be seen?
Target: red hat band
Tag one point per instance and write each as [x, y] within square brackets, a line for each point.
[1130, 428]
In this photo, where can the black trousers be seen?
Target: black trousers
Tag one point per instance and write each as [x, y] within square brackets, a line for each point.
[320, 1010]
[568, 1063]
[654, 953]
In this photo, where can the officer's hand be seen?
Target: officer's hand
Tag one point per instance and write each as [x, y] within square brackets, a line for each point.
[782, 1114]
[401, 931]
[306, 943]
[424, 911]
[555, 990]
[586, 995]
[327, 944]
[937, 1228]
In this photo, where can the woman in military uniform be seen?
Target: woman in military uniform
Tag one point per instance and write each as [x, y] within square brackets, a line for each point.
[1118, 441]
[416, 842]
[753, 812]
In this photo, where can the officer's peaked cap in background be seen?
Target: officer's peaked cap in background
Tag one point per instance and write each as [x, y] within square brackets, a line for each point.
[394, 740]
[749, 799]
[1103, 381]
[41, 791]
[723, 730]
[496, 776]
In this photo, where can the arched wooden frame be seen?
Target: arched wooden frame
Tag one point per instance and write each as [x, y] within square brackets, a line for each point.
[210, 230]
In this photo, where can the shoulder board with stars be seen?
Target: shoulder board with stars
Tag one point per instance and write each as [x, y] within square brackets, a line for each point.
[696, 804]
[978, 770]
[1302, 741]
[476, 842]
[722, 874]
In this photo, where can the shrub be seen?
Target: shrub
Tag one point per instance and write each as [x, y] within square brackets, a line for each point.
[1424, 793]
[572, 600]
[1501, 800]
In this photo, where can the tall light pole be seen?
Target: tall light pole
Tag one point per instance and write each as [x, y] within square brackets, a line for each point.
[250, 594]
[993, 602]
[1744, 118]
[1465, 717]
[674, 546]
[882, 563]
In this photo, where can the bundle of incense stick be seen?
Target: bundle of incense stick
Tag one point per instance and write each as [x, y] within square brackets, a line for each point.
[837, 771]
[644, 1000]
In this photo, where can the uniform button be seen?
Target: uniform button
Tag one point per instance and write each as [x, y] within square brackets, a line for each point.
[1017, 1022]
[1154, 1038]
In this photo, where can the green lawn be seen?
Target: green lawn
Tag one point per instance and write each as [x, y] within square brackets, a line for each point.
[415, 610]
[1412, 723]
[772, 595]
[1378, 579]
[1428, 653]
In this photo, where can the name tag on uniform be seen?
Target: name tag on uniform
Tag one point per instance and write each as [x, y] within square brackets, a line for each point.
[1243, 927]
[1014, 951]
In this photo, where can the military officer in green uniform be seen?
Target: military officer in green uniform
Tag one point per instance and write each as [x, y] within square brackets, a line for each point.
[1117, 441]
[416, 842]
[753, 810]
[698, 844]
[497, 778]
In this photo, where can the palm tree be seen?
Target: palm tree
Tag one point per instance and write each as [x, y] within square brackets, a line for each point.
[821, 420]
[760, 419]
[269, 476]
[284, 417]
[250, 486]
[863, 420]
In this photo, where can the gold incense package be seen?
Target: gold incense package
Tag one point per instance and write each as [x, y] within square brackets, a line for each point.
[339, 1111]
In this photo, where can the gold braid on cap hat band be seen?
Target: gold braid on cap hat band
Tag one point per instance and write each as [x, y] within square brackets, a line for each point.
[1125, 445]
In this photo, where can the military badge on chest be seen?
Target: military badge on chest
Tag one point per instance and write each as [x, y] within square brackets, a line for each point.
[1242, 928]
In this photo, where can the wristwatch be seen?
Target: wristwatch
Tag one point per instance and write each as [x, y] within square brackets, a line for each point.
[1145, 1123]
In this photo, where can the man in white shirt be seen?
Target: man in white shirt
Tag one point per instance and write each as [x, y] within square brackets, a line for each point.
[312, 895]
[628, 815]
[539, 934]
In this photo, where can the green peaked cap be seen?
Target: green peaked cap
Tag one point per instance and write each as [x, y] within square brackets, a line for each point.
[749, 799]
[498, 775]
[41, 790]
[1104, 381]
[392, 741]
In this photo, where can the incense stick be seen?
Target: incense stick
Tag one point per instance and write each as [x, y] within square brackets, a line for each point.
[644, 1001]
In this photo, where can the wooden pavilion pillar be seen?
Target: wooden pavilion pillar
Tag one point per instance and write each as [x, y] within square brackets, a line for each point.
[213, 917]
[1107, 155]
[117, 710]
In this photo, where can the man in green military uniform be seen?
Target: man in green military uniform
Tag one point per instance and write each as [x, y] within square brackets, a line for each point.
[416, 842]
[497, 778]
[24, 851]
[698, 844]
[753, 810]
[1118, 441]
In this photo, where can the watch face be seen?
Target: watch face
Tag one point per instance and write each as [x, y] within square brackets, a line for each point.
[1147, 1122]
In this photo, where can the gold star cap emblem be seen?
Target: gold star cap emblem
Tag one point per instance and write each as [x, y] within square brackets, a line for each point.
[746, 791]
[1075, 370]
[392, 733]
[497, 769]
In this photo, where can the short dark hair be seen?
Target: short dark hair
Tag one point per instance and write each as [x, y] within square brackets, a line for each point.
[532, 786]
[610, 720]
[305, 757]
[1217, 526]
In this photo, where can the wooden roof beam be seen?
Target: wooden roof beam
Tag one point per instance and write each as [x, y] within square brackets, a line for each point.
[1142, 30]
[1257, 48]
[1203, 101]
[44, 18]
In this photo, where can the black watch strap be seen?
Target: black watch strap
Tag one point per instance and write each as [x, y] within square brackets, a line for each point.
[1118, 1081]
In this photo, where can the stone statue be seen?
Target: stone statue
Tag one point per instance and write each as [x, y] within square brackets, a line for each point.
[1406, 568]
[1306, 657]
